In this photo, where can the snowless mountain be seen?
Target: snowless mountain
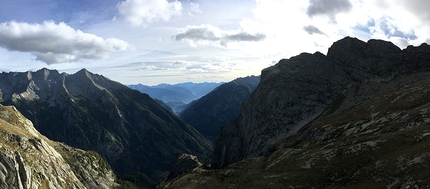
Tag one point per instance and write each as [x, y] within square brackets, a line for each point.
[209, 113]
[129, 129]
[176, 96]
[357, 117]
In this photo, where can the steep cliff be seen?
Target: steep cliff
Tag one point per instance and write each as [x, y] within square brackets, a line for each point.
[213, 110]
[30, 160]
[129, 129]
[298, 90]
[374, 134]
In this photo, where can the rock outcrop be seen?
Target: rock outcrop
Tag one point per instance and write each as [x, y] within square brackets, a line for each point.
[209, 113]
[375, 134]
[298, 90]
[184, 163]
[127, 128]
[30, 160]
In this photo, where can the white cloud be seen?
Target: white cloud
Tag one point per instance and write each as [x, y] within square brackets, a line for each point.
[194, 8]
[56, 43]
[290, 26]
[142, 12]
[207, 33]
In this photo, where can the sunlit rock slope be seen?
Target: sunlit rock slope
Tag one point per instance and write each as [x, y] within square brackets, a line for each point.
[30, 160]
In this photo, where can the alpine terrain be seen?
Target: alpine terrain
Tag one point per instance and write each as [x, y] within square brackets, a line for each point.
[176, 96]
[129, 129]
[358, 117]
[30, 160]
[213, 110]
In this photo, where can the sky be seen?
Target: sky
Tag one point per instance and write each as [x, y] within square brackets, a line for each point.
[175, 41]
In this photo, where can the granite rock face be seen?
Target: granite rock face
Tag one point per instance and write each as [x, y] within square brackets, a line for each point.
[209, 113]
[127, 128]
[30, 160]
[298, 90]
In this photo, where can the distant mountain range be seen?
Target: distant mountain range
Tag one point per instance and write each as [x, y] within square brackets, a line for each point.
[129, 129]
[176, 96]
[213, 110]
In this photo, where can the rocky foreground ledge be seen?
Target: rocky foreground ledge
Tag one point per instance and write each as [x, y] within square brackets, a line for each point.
[30, 160]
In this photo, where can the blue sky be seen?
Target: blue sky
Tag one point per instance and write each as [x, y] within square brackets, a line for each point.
[170, 41]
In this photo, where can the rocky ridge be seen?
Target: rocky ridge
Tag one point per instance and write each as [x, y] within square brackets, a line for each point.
[184, 163]
[375, 134]
[30, 160]
[129, 129]
[298, 90]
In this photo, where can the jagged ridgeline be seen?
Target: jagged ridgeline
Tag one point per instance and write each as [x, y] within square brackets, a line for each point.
[358, 117]
[298, 90]
[129, 129]
[30, 160]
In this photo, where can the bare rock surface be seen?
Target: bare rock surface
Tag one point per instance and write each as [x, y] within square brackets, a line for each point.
[30, 160]
[375, 135]
[298, 90]
[185, 162]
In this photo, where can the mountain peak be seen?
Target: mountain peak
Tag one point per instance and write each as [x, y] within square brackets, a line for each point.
[84, 72]
[296, 91]
[349, 48]
[89, 111]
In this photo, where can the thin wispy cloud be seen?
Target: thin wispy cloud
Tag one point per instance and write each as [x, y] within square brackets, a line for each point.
[310, 29]
[208, 33]
[57, 43]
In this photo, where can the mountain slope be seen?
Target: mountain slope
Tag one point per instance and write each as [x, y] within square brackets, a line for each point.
[177, 96]
[375, 136]
[30, 160]
[213, 110]
[132, 131]
[298, 90]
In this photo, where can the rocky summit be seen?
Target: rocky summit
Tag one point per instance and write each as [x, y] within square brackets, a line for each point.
[356, 118]
[30, 160]
[298, 90]
[375, 135]
[129, 129]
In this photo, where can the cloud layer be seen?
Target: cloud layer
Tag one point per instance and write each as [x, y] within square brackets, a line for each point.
[141, 12]
[208, 33]
[57, 43]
